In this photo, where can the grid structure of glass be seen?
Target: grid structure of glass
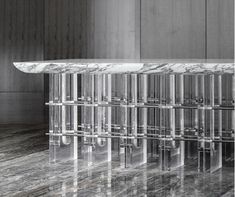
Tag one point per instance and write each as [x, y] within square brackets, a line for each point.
[139, 118]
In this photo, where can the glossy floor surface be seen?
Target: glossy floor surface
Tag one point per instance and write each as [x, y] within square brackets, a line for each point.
[25, 171]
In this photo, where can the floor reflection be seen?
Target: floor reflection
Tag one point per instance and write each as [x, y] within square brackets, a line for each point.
[25, 171]
[108, 179]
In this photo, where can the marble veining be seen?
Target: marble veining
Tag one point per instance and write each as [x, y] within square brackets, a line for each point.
[31, 174]
[110, 66]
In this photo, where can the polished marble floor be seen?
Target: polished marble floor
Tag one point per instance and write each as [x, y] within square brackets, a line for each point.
[25, 171]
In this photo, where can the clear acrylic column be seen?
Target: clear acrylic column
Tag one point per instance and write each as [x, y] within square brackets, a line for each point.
[102, 118]
[203, 144]
[171, 149]
[191, 114]
[210, 151]
[125, 148]
[216, 122]
[138, 131]
[228, 116]
[61, 118]
[87, 116]
[151, 92]
[133, 120]
[176, 158]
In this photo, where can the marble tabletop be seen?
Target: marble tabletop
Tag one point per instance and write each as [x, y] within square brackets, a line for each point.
[112, 66]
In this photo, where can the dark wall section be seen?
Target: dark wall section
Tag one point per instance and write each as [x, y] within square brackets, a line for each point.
[187, 29]
[220, 29]
[112, 29]
[92, 29]
[21, 36]
[64, 29]
[173, 29]
[165, 29]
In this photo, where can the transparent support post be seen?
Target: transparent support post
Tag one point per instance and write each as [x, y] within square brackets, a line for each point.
[109, 113]
[202, 151]
[206, 127]
[216, 128]
[176, 153]
[88, 117]
[115, 95]
[153, 117]
[91, 99]
[135, 149]
[191, 115]
[182, 143]
[228, 123]
[210, 152]
[233, 114]
[196, 115]
[61, 146]
[170, 150]
[101, 146]
[124, 124]
[54, 121]
[162, 125]
[75, 114]
[145, 115]
[233, 101]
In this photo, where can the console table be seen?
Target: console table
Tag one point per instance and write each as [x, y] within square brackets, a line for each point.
[139, 111]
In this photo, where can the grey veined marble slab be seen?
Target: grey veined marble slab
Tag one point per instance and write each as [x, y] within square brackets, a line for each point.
[127, 66]
[25, 171]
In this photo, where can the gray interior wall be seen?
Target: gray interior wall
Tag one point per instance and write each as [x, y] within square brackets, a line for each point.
[92, 29]
[112, 29]
[21, 35]
[187, 29]
[173, 29]
[220, 29]
[64, 29]
[165, 29]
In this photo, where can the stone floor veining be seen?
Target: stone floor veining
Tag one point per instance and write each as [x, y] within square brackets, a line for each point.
[25, 171]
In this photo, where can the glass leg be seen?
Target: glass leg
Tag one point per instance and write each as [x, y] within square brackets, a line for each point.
[100, 152]
[137, 145]
[75, 114]
[87, 117]
[61, 149]
[108, 84]
[216, 148]
[124, 121]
